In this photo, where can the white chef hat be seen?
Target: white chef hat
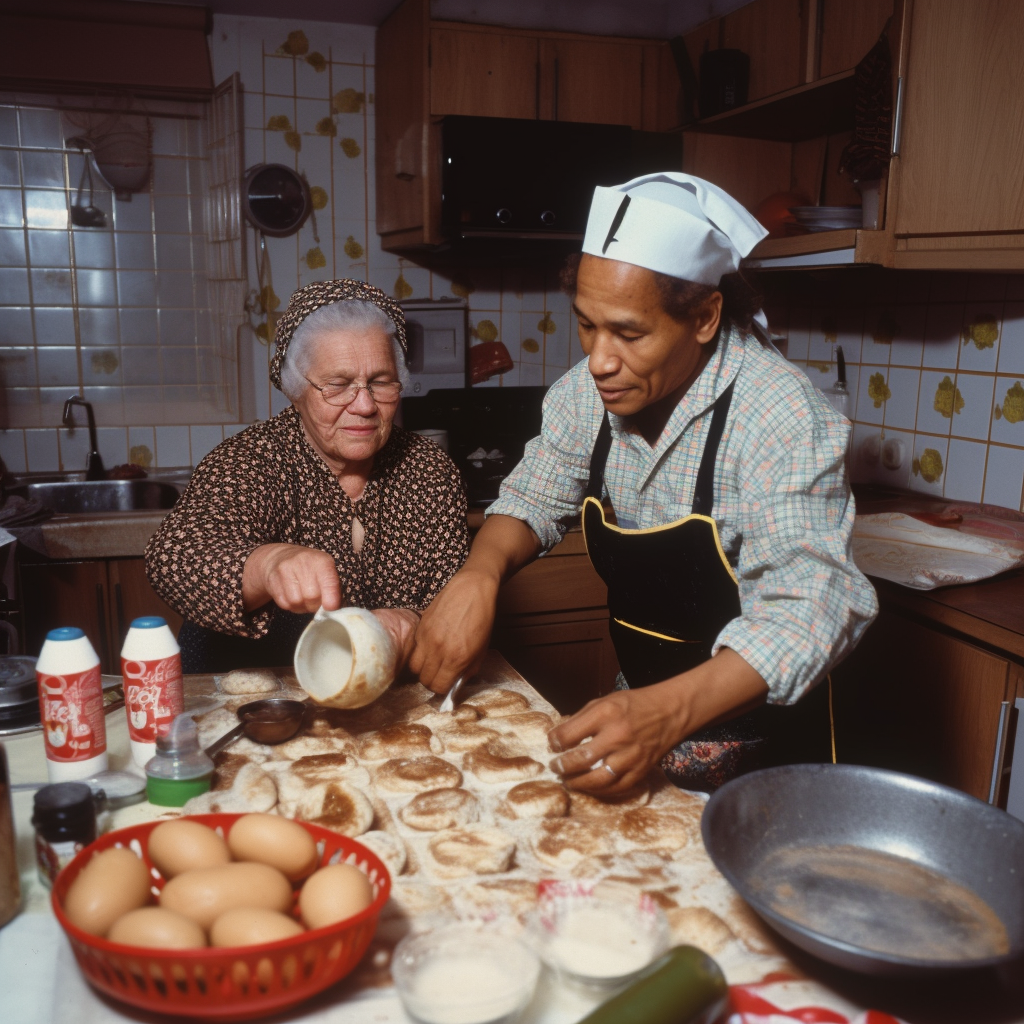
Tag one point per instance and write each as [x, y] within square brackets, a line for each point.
[674, 223]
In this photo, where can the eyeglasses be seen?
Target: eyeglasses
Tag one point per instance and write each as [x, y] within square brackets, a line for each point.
[383, 392]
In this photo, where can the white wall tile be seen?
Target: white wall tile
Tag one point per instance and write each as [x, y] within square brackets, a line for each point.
[965, 470]
[930, 419]
[901, 409]
[12, 450]
[866, 410]
[204, 439]
[1011, 340]
[172, 447]
[1004, 476]
[942, 335]
[142, 446]
[42, 450]
[113, 445]
[1008, 411]
[930, 454]
[980, 337]
[974, 418]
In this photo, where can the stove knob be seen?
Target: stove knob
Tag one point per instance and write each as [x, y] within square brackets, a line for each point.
[548, 218]
[504, 216]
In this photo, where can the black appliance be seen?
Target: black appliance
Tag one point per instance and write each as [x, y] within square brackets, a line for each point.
[492, 419]
[534, 180]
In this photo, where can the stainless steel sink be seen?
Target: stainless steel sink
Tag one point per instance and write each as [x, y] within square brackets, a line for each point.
[100, 495]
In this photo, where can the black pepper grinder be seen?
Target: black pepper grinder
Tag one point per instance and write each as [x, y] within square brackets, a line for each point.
[64, 816]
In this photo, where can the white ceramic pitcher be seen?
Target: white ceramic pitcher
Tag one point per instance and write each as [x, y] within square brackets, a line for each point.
[345, 658]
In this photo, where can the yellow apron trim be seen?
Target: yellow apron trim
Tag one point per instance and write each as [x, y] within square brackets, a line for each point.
[658, 529]
[650, 632]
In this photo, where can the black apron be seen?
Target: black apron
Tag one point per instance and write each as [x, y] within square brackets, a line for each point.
[671, 591]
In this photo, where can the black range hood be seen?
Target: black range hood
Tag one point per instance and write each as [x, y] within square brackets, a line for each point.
[508, 182]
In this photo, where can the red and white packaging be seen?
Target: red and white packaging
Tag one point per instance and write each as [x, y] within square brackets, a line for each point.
[71, 706]
[151, 670]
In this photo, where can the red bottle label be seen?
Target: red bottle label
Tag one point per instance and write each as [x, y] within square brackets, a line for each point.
[71, 706]
[153, 695]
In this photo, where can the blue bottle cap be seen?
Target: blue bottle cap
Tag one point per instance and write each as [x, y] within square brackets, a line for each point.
[148, 622]
[65, 633]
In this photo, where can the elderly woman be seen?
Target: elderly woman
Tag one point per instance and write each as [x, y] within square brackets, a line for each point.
[328, 503]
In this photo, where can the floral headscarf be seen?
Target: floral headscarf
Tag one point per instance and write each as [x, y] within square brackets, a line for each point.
[322, 293]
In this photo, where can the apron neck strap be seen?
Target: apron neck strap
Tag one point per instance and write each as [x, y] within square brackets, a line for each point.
[704, 493]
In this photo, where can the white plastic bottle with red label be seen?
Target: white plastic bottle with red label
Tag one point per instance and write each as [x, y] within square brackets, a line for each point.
[151, 669]
[71, 706]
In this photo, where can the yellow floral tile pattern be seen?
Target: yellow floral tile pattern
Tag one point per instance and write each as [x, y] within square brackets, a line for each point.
[948, 399]
[878, 390]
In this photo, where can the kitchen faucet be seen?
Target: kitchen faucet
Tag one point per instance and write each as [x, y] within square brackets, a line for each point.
[94, 469]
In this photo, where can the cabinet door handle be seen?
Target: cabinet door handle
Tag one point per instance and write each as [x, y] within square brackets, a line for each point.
[554, 105]
[101, 616]
[119, 606]
[997, 758]
[897, 121]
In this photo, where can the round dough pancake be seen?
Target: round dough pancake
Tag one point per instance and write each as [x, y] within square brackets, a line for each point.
[496, 703]
[338, 806]
[515, 896]
[437, 809]
[564, 842]
[306, 745]
[538, 799]
[584, 804]
[531, 728]
[647, 829]
[460, 739]
[472, 850]
[323, 767]
[227, 766]
[249, 680]
[414, 903]
[389, 848]
[417, 774]
[409, 739]
[434, 719]
[497, 762]
[252, 790]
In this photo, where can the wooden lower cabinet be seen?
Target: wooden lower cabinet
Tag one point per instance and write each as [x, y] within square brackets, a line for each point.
[569, 659]
[552, 627]
[101, 597]
[918, 700]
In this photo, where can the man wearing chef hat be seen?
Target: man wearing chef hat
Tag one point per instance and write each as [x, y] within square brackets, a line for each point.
[731, 589]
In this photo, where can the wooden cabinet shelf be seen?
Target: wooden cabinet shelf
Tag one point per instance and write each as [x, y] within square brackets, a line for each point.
[818, 108]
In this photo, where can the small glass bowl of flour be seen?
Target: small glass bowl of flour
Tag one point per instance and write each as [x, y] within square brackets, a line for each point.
[460, 974]
[596, 940]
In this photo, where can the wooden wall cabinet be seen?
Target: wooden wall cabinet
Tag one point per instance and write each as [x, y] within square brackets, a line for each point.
[428, 69]
[952, 198]
[552, 626]
[100, 597]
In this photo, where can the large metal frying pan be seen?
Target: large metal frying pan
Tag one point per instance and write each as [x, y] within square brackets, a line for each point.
[760, 825]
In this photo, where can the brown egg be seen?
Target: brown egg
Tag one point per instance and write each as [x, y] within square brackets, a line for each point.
[334, 893]
[249, 926]
[112, 883]
[279, 842]
[206, 893]
[157, 928]
[182, 845]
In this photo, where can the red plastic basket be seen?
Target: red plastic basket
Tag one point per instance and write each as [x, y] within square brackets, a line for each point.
[239, 983]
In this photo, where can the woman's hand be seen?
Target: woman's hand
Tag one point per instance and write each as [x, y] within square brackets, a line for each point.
[295, 578]
[631, 730]
[454, 632]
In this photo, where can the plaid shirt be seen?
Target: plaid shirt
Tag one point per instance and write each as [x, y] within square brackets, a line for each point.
[782, 501]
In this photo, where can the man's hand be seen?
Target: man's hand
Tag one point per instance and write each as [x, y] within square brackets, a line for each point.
[631, 730]
[401, 624]
[455, 630]
[295, 578]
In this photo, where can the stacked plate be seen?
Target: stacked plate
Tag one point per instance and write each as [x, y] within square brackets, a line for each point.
[828, 218]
